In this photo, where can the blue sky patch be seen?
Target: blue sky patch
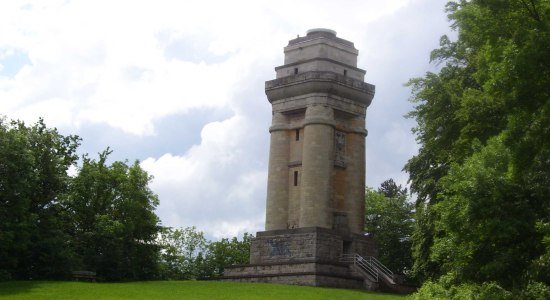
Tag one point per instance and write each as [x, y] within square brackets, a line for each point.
[27, 6]
[11, 61]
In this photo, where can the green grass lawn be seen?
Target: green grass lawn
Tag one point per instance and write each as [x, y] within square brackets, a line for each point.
[175, 290]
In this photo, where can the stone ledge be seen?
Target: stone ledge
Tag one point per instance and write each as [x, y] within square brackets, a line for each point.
[319, 34]
[301, 102]
[304, 230]
[327, 274]
[321, 75]
[268, 233]
[319, 82]
[321, 59]
[294, 262]
[302, 278]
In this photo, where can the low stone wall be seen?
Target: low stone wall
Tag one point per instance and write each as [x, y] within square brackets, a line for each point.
[312, 274]
[303, 244]
[303, 256]
[336, 269]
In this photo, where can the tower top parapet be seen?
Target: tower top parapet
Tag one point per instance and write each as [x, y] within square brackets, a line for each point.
[315, 30]
[320, 50]
[317, 33]
[319, 62]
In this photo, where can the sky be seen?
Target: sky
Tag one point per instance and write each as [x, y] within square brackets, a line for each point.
[179, 86]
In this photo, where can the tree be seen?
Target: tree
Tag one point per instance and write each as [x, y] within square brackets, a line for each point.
[33, 175]
[482, 171]
[481, 213]
[51, 224]
[389, 217]
[181, 248]
[186, 254]
[115, 226]
[224, 253]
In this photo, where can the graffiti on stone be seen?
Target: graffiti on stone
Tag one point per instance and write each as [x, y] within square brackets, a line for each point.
[278, 248]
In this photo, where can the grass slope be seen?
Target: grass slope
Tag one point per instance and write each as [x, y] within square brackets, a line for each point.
[175, 290]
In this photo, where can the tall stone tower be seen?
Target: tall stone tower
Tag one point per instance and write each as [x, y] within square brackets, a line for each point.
[316, 180]
[317, 155]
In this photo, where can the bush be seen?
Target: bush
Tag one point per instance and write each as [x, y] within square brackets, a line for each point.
[440, 290]
[536, 291]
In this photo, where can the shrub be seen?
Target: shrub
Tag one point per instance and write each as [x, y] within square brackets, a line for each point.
[441, 290]
[536, 291]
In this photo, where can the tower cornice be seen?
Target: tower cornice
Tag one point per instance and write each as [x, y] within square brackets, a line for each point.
[321, 59]
[319, 82]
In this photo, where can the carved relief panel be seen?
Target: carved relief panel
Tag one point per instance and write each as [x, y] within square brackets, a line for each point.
[339, 148]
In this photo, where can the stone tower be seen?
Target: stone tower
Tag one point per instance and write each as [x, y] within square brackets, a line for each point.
[316, 180]
[317, 155]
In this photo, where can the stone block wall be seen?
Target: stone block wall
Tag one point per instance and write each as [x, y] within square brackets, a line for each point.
[306, 244]
[303, 256]
[312, 274]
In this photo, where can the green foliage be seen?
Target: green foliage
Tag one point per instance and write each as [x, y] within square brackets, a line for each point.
[224, 253]
[115, 227]
[389, 217]
[100, 220]
[182, 251]
[535, 291]
[33, 177]
[447, 288]
[186, 254]
[481, 217]
[51, 224]
[538, 270]
[466, 291]
[482, 172]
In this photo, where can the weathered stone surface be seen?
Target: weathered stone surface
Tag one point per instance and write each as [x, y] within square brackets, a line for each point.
[307, 244]
[316, 173]
[316, 177]
[277, 180]
[319, 82]
[303, 256]
[297, 273]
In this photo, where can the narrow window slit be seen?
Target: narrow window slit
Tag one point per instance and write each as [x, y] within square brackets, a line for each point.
[295, 178]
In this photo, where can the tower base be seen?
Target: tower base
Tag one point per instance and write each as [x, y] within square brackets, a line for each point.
[304, 256]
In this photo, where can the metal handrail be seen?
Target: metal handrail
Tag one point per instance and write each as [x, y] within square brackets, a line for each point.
[370, 265]
[367, 268]
[382, 267]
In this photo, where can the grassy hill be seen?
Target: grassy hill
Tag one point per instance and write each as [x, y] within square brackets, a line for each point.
[175, 290]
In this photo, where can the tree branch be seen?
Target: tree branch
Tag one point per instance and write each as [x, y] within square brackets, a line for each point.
[532, 10]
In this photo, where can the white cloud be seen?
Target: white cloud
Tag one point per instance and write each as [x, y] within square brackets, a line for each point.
[128, 65]
[217, 186]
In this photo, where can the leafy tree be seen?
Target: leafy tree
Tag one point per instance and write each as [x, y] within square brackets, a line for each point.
[33, 176]
[480, 215]
[115, 227]
[224, 253]
[390, 189]
[103, 219]
[389, 217]
[482, 171]
[186, 254]
[181, 248]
